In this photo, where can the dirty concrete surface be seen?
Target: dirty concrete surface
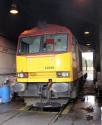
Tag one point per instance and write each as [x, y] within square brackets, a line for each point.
[85, 111]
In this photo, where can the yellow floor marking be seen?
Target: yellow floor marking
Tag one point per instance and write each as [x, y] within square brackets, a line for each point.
[67, 109]
[25, 108]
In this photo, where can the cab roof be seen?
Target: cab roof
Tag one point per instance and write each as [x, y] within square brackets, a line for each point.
[45, 29]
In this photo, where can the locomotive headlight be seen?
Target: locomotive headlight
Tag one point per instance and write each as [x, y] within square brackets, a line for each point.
[63, 74]
[22, 75]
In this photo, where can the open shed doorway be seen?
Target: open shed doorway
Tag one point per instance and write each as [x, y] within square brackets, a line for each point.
[88, 57]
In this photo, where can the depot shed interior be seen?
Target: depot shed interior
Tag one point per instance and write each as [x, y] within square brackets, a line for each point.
[78, 15]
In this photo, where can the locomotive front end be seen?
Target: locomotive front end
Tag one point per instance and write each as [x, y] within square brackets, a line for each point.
[44, 68]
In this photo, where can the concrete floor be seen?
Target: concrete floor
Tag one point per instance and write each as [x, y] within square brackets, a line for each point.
[86, 111]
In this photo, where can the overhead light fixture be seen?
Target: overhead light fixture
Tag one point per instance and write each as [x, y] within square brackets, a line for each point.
[86, 32]
[13, 10]
[88, 44]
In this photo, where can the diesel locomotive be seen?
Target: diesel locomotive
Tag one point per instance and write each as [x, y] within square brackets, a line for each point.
[49, 65]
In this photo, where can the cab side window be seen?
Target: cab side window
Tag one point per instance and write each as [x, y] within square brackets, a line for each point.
[74, 46]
